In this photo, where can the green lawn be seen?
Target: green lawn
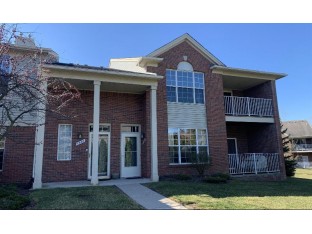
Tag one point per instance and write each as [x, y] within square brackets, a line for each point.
[86, 198]
[293, 193]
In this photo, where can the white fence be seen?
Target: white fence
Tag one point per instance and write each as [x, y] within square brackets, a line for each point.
[253, 163]
[247, 106]
[302, 147]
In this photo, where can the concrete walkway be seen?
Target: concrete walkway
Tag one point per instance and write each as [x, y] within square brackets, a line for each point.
[149, 199]
[144, 196]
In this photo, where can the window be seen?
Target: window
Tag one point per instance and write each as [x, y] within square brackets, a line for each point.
[1, 154]
[183, 143]
[5, 69]
[185, 86]
[64, 146]
[5, 64]
[130, 128]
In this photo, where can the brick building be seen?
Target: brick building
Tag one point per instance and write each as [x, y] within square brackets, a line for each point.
[147, 117]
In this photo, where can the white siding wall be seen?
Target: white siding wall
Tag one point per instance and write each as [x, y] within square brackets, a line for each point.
[131, 65]
[186, 115]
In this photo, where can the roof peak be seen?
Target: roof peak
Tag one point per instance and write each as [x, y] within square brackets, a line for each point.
[186, 37]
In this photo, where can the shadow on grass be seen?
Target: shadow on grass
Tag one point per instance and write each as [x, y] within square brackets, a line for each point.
[236, 188]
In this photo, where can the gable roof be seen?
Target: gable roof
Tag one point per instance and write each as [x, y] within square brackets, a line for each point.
[298, 129]
[196, 45]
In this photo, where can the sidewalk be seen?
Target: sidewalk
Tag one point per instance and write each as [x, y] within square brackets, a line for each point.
[149, 199]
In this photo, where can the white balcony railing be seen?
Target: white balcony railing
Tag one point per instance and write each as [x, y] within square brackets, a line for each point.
[248, 106]
[253, 163]
[302, 147]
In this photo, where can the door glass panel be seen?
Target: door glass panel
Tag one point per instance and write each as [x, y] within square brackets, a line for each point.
[103, 155]
[232, 146]
[130, 151]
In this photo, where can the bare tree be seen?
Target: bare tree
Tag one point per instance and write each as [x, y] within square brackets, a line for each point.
[24, 89]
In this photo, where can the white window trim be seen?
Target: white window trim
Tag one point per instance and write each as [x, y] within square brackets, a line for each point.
[71, 145]
[194, 88]
[1, 169]
[197, 146]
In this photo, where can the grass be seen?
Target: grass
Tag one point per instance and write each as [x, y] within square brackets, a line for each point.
[293, 193]
[11, 199]
[86, 198]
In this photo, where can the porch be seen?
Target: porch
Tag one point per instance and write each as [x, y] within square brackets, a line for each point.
[85, 183]
[253, 163]
[253, 148]
[108, 142]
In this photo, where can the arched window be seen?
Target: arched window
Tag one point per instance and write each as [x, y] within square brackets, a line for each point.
[185, 66]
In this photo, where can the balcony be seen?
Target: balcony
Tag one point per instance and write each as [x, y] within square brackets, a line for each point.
[253, 163]
[249, 109]
[302, 147]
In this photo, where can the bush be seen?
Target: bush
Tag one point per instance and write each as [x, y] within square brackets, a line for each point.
[221, 175]
[215, 179]
[290, 166]
[182, 177]
[201, 162]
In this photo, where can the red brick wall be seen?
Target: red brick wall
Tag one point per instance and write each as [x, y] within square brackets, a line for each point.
[115, 109]
[18, 156]
[238, 131]
[214, 104]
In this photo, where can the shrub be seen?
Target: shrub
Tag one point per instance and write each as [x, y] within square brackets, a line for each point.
[215, 179]
[182, 177]
[290, 166]
[201, 162]
[221, 175]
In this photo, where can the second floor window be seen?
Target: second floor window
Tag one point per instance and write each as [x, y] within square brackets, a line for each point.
[185, 86]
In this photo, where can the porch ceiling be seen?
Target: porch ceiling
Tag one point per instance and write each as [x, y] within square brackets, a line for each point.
[240, 83]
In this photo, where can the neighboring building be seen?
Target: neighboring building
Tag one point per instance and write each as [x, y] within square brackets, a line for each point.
[146, 117]
[300, 135]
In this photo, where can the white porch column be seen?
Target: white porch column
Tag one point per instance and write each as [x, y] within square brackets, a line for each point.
[154, 156]
[96, 124]
[39, 143]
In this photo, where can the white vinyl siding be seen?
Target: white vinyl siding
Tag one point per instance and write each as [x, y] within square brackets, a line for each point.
[64, 146]
[186, 115]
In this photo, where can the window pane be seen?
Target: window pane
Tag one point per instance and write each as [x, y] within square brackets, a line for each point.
[171, 78]
[64, 142]
[171, 94]
[185, 95]
[186, 153]
[173, 136]
[199, 80]
[173, 154]
[185, 79]
[199, 95]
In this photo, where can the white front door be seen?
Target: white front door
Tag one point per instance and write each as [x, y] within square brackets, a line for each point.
[104, 156]
[130, 155]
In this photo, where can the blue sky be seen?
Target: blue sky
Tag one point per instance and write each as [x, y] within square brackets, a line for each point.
[284, 48]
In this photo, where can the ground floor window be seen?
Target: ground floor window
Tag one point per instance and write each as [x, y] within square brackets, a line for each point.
[1, 154]
[185, 143]
[64, 146]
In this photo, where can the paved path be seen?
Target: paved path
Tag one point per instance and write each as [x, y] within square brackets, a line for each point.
[148, 198]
